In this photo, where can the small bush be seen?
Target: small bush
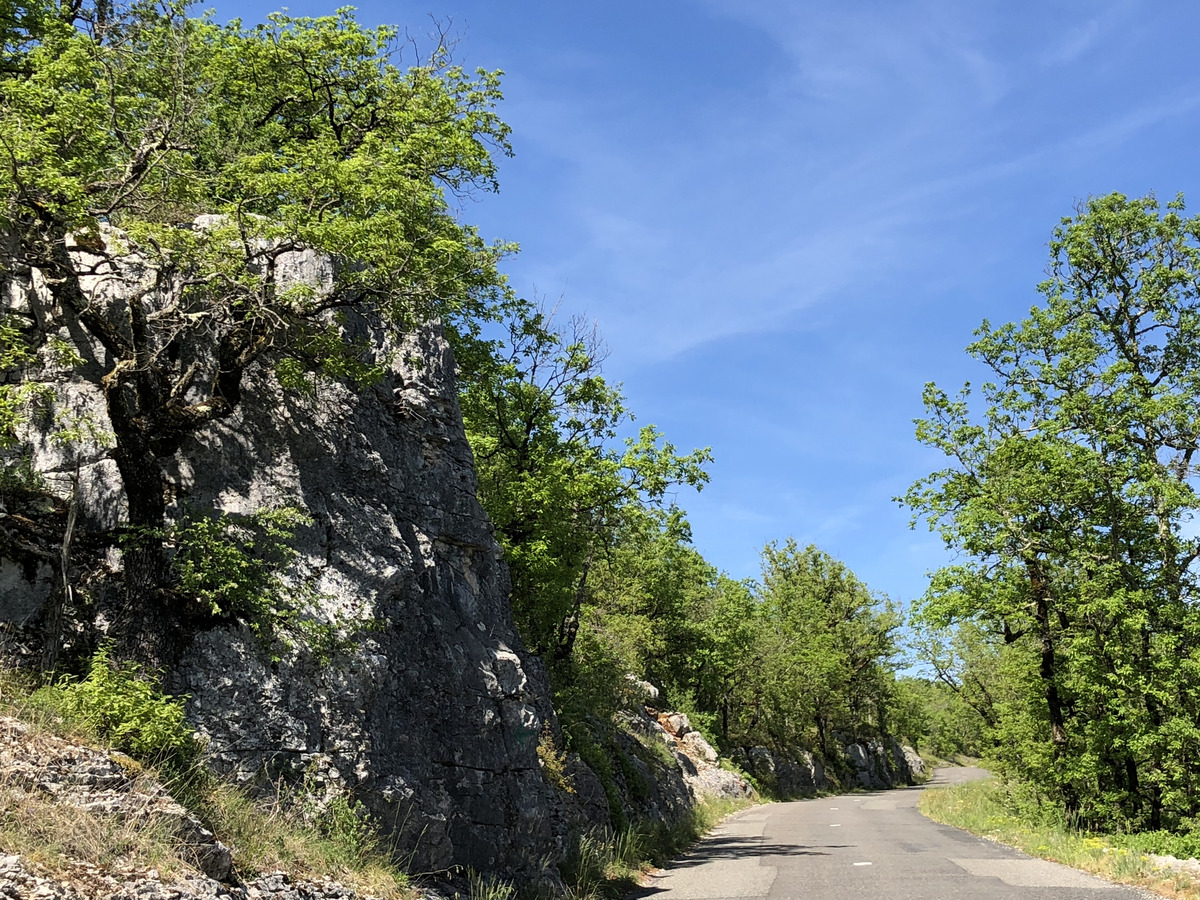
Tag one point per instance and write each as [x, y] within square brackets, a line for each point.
[553, 762]
[582, 740]
[125, 707]
[19, 478]
[1163, 843]
[350, 828]
[233, 563]
[602, 863]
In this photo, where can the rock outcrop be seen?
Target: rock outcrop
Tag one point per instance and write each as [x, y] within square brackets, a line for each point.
[419, 699]
[701, 762]
[20, 881]
[648, 767]
[38, 763]
[866, 764]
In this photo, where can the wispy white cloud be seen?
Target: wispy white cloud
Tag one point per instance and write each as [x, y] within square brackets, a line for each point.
[1075, 43]
[883, 124]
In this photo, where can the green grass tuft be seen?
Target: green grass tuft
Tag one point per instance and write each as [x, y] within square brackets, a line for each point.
[1010, 813]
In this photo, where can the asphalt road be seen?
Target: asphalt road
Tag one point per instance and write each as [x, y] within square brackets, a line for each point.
[865, 846]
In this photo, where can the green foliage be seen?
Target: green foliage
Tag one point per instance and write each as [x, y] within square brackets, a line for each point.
[267, 832]
[543, 423]
[1068, 497]
[350, 827]
[126, 708]
[590, 741]
[233, 564]
[24, 400]
[297, 134]
[933, 717]
[19, 477]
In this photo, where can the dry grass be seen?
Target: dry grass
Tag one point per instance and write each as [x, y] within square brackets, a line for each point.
[601, 864]
[52, 834]
[981, 807]
[266, 834]
[270, 834]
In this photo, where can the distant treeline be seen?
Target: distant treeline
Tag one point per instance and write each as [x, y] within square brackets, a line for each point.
[606, 581]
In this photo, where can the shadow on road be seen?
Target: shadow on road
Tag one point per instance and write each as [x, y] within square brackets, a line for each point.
[715, 848]
[718, 848]
[734, 847]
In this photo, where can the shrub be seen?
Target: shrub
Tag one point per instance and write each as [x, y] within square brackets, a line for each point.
[232, 563]
[125, 707]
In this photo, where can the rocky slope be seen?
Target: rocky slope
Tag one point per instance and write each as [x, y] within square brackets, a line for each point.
[108, 789]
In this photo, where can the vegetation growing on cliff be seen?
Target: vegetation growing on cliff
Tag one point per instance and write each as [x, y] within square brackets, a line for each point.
[121, 124]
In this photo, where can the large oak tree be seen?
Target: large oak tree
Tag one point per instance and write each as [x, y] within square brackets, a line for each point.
[1070, 498]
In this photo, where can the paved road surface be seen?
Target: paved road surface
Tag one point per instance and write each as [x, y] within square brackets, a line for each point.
[862, 846]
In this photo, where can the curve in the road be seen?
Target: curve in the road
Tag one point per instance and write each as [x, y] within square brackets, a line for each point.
[865, 846]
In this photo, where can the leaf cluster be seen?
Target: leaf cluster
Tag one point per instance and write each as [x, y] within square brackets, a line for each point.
[1069, 494]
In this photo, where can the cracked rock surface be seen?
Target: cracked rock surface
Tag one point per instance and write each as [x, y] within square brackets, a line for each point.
[419, 701]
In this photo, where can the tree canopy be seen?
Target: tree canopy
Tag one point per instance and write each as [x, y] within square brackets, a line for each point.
[1070, 497]
[189, 159]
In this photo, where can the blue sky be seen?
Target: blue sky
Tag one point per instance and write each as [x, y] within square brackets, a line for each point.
[786, 217]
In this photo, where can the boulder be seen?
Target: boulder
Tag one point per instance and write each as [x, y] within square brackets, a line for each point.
[643, 691]
[676, 723]
[696, 746]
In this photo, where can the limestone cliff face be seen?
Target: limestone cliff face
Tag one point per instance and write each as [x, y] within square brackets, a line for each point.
[432, 716]
[421, 701]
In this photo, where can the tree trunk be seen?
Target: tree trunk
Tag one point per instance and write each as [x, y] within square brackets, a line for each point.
[54, 615]
[145, 561]
[149, 627]
[568, 629]
[1047, 669]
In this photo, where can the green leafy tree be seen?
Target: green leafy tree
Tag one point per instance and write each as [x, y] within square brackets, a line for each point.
[1070, 497]
[120, 125]
[830, 647]
[558, 485]
[649, 588]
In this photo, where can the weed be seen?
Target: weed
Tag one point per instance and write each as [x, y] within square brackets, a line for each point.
[602, 863]
[1008, 812]
[553, 763]
[480, 887]
[126, 709]
[51, 833]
